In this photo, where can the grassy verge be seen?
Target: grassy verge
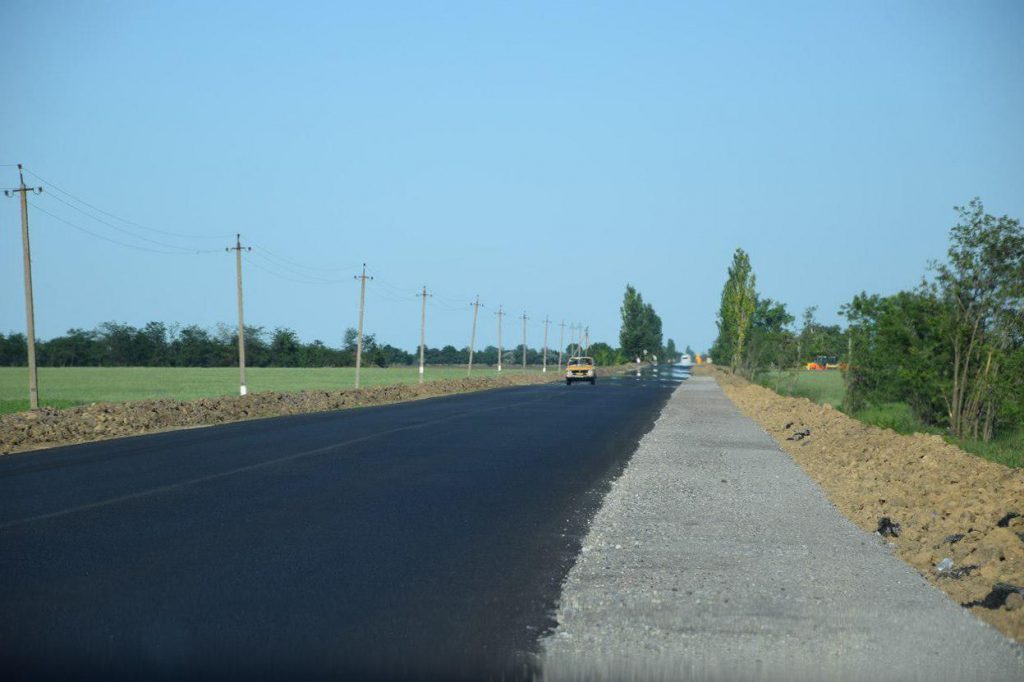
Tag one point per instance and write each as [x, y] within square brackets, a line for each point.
[63, 387]
[820, 387]
[828, 388]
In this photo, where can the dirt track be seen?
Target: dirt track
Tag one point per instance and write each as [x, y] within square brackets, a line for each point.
[947, 503]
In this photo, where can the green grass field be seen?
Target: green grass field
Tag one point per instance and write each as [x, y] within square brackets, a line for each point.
[820, 387]
[828, 387]
[69, 386]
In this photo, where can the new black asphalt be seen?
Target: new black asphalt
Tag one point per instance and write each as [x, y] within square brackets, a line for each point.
[424, 539]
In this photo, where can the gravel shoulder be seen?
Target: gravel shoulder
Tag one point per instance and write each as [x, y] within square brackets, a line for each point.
[715, 556]
[954, 510]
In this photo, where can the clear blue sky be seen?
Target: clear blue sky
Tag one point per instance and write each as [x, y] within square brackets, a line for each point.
[539, 154]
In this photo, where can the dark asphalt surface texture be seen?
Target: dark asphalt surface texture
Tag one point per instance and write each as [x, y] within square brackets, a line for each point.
[417, 540]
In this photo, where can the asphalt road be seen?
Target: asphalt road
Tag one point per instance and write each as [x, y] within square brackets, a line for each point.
[420, 539]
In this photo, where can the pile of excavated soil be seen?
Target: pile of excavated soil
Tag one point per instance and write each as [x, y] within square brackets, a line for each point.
[48, 427]
[948, 504]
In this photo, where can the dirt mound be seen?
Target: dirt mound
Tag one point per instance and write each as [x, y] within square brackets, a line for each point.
[956, 518]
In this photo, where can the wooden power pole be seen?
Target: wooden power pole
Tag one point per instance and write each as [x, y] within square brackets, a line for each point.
[544, 364]
[472, 334]
[525, 318]
[30, 312]
[561, 343]
[423, 330]
[237, 248]
[362, 302]
[500, 315]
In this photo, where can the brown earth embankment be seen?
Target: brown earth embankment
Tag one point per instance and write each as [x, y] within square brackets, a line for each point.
[956, 513]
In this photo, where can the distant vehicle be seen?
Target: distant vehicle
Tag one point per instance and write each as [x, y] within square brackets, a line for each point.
[685, 360]
[580, 369]
[823, 362]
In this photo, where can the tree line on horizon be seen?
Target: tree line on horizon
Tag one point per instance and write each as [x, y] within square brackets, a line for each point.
[952, 348]
[157, 344]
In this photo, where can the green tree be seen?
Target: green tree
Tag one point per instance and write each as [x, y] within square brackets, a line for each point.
[899, 354]
[770, 344]
[641, 326]
[982, 284]
[605, 355]
[739, 299]
[671, 354]
[284, 348]
[632, 336]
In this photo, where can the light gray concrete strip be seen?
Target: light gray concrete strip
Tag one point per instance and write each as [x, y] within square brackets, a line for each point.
[715, 556]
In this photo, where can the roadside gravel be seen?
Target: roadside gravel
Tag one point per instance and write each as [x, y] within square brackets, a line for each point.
[954, 511]
[715, 556]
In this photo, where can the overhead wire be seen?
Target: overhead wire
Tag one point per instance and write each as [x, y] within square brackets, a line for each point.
[295, 272]
[449, 307]
[383, 294]
[276, 256]
[270, 262]
[113, 241]
[117, 217]
[115, 227]
[289, 276]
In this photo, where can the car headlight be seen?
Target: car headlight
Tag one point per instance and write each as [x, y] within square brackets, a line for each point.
[590, 372]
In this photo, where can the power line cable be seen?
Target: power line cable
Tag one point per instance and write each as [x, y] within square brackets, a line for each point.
[383, 294]
[279, 275]
[295, 272]
[115, 227]
[113, 241]
[124, 220]
[293, 263]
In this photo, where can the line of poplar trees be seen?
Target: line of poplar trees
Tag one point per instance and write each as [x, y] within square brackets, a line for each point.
[951, 348]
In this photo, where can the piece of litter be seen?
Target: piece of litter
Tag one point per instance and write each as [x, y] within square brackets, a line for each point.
[1005, 521]
[887, 528]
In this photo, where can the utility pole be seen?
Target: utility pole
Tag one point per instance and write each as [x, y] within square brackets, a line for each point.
[30, 311]
[586, 337]
[525, 318]
[362, 302]
[472, 334]
[423, 330]
[237, 248]
[500, 315]
[561, 344]
[545, 361]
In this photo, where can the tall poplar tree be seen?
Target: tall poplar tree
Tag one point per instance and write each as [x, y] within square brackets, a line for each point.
[739, 299]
